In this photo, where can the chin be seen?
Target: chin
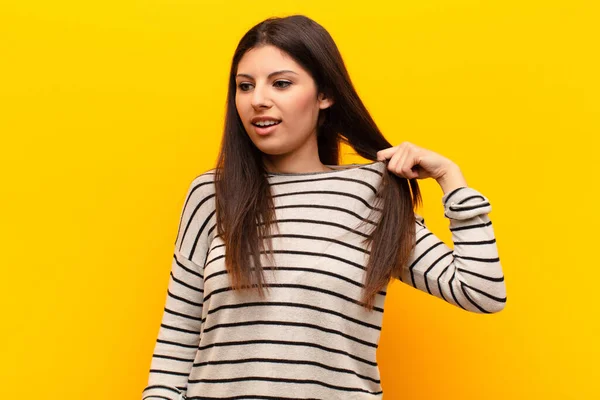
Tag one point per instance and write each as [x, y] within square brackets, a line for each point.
[271, 147]
[273, 151]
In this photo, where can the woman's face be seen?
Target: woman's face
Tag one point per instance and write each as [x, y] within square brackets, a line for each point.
[289, 97]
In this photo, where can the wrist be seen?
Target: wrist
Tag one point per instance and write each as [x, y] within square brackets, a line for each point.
[452, 179]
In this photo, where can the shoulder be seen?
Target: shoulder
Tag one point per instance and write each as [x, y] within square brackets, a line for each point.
[201, 189]
[205, 179]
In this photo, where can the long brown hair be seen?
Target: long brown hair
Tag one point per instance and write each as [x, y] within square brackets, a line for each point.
[244, 207]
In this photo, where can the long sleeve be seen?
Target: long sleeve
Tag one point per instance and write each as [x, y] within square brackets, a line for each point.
[470, 276]
[180, 328]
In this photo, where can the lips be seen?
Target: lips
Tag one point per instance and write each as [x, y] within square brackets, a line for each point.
[264, 118]
[265, 130]
[266, 126]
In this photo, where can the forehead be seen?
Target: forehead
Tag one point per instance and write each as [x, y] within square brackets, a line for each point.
[265, 59]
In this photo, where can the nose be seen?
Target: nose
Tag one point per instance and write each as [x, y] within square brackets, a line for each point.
[260, 97]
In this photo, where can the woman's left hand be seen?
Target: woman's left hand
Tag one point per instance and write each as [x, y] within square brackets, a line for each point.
[410, 161]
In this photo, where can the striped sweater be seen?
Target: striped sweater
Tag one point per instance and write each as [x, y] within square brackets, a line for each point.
[310, 338]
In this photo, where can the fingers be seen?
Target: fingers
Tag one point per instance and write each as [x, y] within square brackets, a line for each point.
[402, 159]
[385, 154]
[398, 155]
[405, 163]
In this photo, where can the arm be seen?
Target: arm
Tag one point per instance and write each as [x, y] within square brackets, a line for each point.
[179, 332]
[470, 276]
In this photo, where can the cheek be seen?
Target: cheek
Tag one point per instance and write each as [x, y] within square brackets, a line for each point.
[241, 109]
[238, 105]
[300, 107]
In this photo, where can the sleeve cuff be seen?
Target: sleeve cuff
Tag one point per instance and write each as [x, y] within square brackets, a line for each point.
[464, 203]
[156, 392]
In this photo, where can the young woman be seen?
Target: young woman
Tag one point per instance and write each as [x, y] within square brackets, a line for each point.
[283, 256]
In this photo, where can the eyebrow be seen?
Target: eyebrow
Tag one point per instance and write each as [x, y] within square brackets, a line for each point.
[270, 75]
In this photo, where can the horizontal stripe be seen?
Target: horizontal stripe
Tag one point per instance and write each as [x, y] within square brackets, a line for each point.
[296, 305]
[180, 314]
[176, 344]
[326, 192]
[284, 380]
[287, 361]
[188, 270]
[173, 358]
[167, 372]
[476, 196]
[175, 328]
[287, 323]
[187, 285]
[481, 242]
[312, 270]
[491, 279]
[301, 287]
[290, 343]
[183, 299]
[480, 259]
[474, 226]
[452, 193]
[162, 387]
[323, 207]
[357, 181]
[250, 396]
[320, 223]
[466, 208]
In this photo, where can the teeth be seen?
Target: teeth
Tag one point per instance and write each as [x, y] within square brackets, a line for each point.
[267, 123]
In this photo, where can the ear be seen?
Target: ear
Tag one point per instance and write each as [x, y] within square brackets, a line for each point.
[324, 102]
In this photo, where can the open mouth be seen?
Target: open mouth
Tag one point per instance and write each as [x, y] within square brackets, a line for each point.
[266, 126]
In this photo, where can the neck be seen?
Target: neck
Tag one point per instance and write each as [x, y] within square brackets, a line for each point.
[304, 160]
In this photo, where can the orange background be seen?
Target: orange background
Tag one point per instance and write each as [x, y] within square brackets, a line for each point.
[109, 109]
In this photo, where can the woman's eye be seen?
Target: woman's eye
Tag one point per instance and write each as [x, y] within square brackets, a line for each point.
[242, 86]
[286, 82]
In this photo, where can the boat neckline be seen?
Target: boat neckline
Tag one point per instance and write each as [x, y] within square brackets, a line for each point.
[334, 169]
